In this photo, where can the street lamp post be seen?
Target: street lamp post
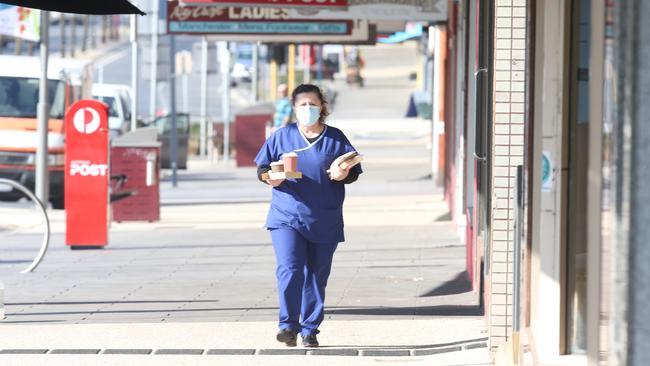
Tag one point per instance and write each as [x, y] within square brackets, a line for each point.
[154, 60]
[134, 72]
[42, 178]
[256, 72]
[225, 108]
[172, 94]
[204, 96]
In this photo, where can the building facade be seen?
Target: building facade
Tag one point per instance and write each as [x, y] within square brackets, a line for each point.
[543, 159]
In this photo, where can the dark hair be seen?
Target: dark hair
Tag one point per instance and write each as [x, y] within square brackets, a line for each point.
[311, 88]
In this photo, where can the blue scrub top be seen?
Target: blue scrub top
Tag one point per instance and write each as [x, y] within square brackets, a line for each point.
[312, 205]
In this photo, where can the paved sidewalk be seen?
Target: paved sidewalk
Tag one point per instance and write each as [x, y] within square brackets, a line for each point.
[356, 342]
[201, 281]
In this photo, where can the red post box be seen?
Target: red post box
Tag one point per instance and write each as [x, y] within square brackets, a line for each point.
[86, 175]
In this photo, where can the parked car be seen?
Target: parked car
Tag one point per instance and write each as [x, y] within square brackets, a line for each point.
[118, 99]
[164, 126]
[242, 68]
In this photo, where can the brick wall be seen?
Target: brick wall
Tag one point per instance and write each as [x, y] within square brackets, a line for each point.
[508, 151]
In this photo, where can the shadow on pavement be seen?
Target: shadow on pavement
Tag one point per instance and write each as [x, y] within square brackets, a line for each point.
[212, 202]
[189, 177]
[458, 285]
[107, 302]
[190, 246]
[437, 310]
[419, 346]
[143, 311]
[445, 217]
[2, 262]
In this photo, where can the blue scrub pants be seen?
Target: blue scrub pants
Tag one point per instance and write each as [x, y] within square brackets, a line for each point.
[303, 268]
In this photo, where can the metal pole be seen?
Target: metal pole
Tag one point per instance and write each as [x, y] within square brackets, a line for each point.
[42, 177]
[93, 32]
[134, 72]
[431, 52]
[62, 33]
[154, 60]
[225, 108]
[185, 87]
[319, 62]
[104, 28]
[256, 72]
[204, 96]
[211, 131]
[306, 61]
[84, 38]
[172, 101]
[291, 68]
[434, 33]
[73, 34]
[265, 77]
[273, 77]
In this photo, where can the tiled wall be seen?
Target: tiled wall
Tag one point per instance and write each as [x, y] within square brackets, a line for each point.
[508, 151]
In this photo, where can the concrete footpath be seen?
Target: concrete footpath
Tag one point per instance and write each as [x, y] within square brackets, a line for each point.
[198, 287]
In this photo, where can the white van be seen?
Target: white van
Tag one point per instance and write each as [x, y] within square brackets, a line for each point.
[118, 99]
[68, 81]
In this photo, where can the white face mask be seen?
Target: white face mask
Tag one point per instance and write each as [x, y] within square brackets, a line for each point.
[307, 115]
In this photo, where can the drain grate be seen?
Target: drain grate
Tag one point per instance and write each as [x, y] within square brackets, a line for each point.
[127, 351]
[74, 351]
[231, 352]
[333, 352]
[23, 351]
[384, 352]
[325, 351]
[282, 351]
[191, 351]
[435, 351]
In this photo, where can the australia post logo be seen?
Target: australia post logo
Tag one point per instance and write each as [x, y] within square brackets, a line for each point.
[86, 120]
[85, 168]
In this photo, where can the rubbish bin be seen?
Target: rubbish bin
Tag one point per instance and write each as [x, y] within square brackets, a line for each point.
[250, 132]
[135, 172]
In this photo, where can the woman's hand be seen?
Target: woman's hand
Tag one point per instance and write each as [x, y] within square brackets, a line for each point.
[274, 182]
[337, 173]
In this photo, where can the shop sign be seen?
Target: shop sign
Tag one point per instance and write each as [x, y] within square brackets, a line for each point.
[247, 21]
[405, 10]
[312, 4]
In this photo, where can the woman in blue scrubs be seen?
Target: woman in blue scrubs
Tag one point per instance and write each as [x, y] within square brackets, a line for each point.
[306, 215]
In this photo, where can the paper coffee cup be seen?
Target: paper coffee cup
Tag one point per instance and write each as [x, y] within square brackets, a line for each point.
[277, 166]
[290, 161]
